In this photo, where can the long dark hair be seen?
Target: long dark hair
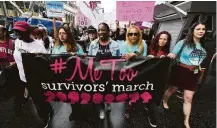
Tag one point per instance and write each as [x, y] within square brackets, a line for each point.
[6, 35]
[189, 39]
[71, 46]
[46, 42]
[155, 45]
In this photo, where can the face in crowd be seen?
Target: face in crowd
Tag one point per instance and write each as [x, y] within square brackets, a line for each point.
[38, 34]
[20, 34]
[133, 23]
[92, 35]
[199, 31]
[103, 32]
[133, 34]
[163, 40]
[62, 35]
[122, 31]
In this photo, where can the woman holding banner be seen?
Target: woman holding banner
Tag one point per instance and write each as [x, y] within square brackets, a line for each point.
[135, 46]
[104, 47]
[67, 44]
[6, 62]
[160, 45]
[186, 74]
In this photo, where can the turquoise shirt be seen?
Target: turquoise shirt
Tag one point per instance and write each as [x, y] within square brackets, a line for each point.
[125, 48]
[62, 49]
[190, 56]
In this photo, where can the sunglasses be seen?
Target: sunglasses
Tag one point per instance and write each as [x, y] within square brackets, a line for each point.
[131, 34]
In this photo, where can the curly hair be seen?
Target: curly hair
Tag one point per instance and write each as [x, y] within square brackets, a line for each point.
[155, 42]
[189, 39]
[71, 43]
[140, 44]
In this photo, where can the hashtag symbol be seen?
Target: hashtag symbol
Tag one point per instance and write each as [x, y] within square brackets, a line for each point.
[58, 66]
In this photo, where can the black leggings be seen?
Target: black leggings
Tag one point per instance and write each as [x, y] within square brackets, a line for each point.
[43, 107]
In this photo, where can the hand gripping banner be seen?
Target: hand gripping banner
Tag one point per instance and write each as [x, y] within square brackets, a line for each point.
[74, 79]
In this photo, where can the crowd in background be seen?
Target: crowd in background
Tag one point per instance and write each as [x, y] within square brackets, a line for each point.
[127, 42]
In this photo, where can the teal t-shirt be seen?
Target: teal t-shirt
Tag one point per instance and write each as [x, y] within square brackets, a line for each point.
[190, 56]
[125, 48]
[62, 49]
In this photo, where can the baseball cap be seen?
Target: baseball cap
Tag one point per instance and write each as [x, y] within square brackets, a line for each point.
[21, 26]
[91, 29]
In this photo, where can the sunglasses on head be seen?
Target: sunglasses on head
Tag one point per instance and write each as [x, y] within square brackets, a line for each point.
[131, 34]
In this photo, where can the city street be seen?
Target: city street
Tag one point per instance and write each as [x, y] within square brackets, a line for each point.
[203, 115]
[82, 52]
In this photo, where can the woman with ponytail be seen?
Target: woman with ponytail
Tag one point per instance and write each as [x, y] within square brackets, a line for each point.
[66, 43]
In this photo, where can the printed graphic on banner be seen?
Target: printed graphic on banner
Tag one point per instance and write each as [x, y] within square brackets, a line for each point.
[135, 10]
[72, 79]
[82, 20]
[55, 9]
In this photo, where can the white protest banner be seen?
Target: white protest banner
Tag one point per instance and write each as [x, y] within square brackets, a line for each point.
[54, 9]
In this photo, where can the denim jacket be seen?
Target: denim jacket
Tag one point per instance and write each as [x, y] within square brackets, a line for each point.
[113, 47]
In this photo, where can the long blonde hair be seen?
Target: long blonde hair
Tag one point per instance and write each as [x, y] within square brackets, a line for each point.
[140, 44]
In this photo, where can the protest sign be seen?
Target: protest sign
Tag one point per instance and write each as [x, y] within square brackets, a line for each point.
[82, 20]
[54, 9]
[135, 10]
[71, 79]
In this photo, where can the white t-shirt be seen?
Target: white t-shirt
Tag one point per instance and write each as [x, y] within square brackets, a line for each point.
[51, 44]
[23, 47]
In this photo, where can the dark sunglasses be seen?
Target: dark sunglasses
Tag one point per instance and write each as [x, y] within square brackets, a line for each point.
[131, 34]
